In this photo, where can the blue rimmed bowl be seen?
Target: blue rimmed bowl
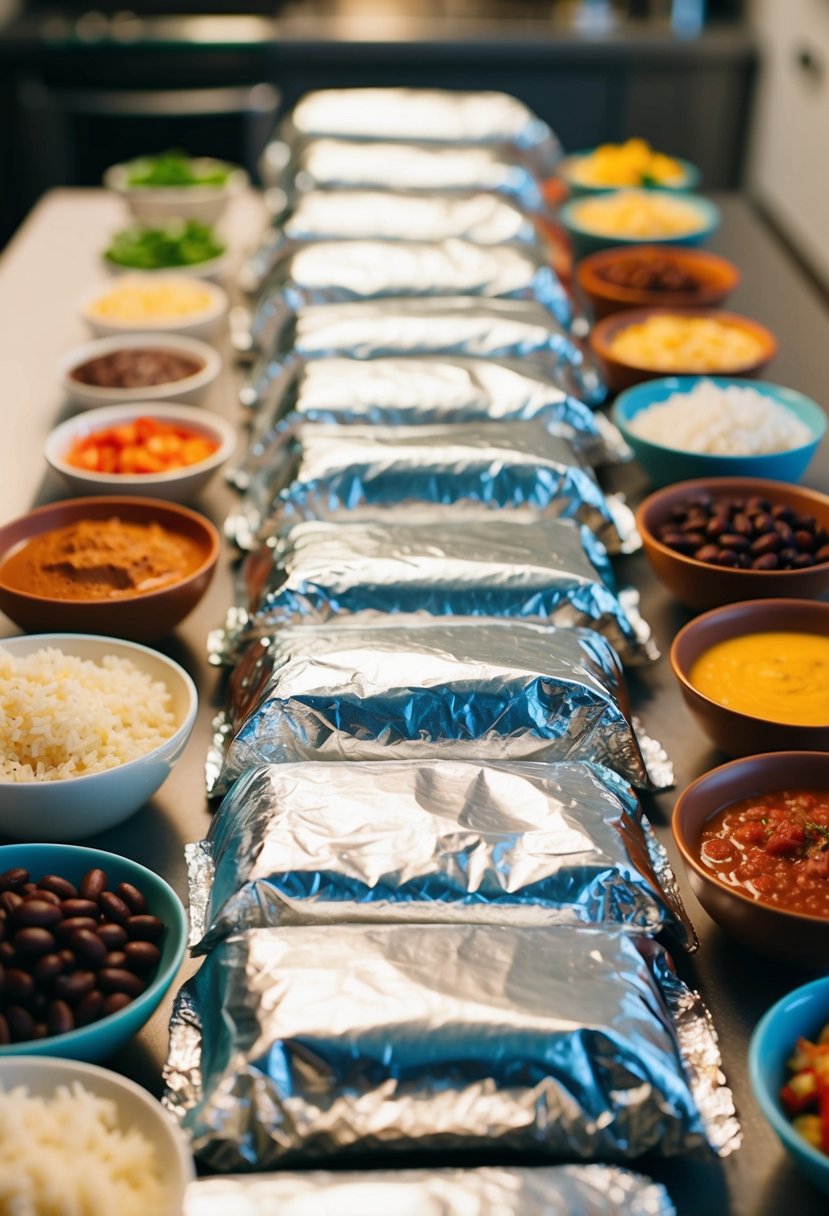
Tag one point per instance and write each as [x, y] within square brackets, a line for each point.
[666, 465]
[586, 240]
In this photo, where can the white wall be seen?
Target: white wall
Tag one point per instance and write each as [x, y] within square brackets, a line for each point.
[789, 154]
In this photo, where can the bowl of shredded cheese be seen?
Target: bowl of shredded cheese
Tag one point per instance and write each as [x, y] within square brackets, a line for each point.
[78, 1138]
[155, 303]
[634, 217]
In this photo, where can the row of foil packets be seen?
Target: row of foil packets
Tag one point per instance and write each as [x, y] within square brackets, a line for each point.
[428, 901]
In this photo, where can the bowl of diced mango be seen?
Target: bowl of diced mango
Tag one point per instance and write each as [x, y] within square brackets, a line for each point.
[625, 166]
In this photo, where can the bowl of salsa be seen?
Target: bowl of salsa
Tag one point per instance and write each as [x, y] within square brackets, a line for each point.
[754, 840]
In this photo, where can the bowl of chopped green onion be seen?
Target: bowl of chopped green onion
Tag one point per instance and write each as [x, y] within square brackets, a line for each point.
[185, 245]
[173, 185]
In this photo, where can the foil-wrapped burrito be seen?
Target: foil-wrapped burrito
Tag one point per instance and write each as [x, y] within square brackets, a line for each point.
[456, 325]
[365, 215]
[332, 472]
[339, 272]
[477, 689]
[420, 391]
[428, 116]
[554, 1190]
[300, 1044]
[554, 572]
[340, 164]
[443, 842]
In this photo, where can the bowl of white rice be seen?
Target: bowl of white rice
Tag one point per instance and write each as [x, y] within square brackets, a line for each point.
[78, 1138]
[90, 727]
[683, 427]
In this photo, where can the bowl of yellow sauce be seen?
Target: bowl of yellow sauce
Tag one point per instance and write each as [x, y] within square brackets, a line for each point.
[632, 164]
[155, 303]
[638, 217]
[755, 675]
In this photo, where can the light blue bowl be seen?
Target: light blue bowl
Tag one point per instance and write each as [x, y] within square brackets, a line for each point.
[103, 1039]
[691, 177]
[586, 241]
[802, 1012]
[667, 465]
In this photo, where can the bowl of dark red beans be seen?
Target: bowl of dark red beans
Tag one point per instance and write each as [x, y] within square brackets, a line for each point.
[716, 540]
[89, 944]
[754, 840]
[647, 276]
[139, 367]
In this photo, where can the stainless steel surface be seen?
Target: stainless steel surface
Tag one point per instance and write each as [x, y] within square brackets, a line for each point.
[41, 275]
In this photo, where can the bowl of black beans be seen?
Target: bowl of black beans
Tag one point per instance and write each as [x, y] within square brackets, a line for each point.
[89, 944]
[723, 539]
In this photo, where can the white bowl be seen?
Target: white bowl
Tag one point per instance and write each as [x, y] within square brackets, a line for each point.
[154, 204]
[41, 1075]
[191, 389]
[177, 485]
[75, 807]
[203, 324]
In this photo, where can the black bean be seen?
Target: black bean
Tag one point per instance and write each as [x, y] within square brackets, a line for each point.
[47, 968]
[766, 561]
[113, 908]
[805, 541]
[48, 897]
[90, 1008]
[707, 553]
[115, 1002]
[116, 959]
[113, 936]
[785, 532]
[93, 883]
[118, 979]
[132, 897]
[67, 927]
[37, 912]
[733, 540]
[803, 561]
[142, 957]
[80, 907]
[144, 928]
[10, 880]
[61, 887]
[88, 947]
[59, 1019]
[21, 1024]
[18, 985]
[742, 525]
[33, 941]
[72, 988]
[769, 543]
[726, 557]
[10, 901]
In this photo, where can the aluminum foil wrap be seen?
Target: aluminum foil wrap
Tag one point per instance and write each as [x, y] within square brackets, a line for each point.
[429, 116]
[443, 842]
[340, 164]
[456, 325]
[420, 392]
[477, 689]
[365, 215]
[556, 1190]
[332, 472]
[300, 1044]
[339, 272]
[554, 572]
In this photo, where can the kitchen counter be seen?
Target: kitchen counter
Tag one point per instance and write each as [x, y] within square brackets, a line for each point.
[54, 258]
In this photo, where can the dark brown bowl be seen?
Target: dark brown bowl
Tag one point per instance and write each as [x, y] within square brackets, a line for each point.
[138, 618]
[792, 937]
[740, 734]
[700, 585]
[716, 278]
[620, 375]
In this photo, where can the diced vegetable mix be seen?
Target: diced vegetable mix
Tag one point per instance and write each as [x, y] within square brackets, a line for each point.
[182, 243]
[174, 168]
[805, 1096]
[146, 445]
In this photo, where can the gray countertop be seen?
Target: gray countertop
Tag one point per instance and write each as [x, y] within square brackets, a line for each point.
[55, 258]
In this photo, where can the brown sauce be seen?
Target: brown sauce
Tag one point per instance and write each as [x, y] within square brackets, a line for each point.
[135, 368]
[101, 559]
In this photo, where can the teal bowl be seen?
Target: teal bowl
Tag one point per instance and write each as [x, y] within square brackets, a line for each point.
[802, 1012]
[102, 1039]
[666, 465]
[690, 179]
[586, 240]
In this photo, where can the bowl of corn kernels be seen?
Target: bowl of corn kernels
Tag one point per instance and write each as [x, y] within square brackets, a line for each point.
[637, 217]
[155, 303]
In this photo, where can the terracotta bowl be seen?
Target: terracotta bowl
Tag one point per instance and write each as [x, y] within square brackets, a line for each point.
[139, 618]
[735, 733]
[716, 278]
[792, 937]
[700, 585]
[621, 375]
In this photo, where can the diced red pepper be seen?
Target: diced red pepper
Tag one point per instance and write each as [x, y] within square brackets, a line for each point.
[823, 1098]
[800, 1093]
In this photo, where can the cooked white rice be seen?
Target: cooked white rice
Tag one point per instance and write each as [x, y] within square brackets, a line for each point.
[66, 1156]
[731, 421]
[61, 716]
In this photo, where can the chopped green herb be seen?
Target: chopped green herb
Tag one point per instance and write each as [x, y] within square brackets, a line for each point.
[181, 243]
[175, 168]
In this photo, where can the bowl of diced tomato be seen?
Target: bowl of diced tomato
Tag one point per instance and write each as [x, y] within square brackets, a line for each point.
[158, 451]
[789, 1070]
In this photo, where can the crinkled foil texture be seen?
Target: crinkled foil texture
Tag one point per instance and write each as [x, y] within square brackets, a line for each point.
[556, 1190]
[430, 116]
[339, 272]
[304, 1044]
[447, 841]
[413, 168]
[457, 325]
[420, 391]
[555, 573]
[466, 689]
[330, 472]
[343, 215]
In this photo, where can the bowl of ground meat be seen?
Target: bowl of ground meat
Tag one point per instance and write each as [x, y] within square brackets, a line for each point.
[139, 367]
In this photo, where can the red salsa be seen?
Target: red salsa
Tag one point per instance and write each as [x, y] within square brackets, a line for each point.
[775, 848]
